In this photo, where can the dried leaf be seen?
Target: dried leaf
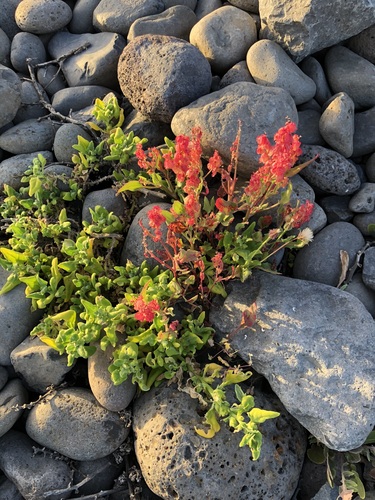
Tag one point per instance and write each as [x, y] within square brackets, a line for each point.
[344, 258]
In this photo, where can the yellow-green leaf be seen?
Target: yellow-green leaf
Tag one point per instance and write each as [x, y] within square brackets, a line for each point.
[13, 256]
[130, 186]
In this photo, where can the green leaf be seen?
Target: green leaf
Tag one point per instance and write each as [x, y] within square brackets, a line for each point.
[371, 438]
[178, 207]
[316, 454]
[13, 256]
[10, 283]
[259, 416]
[130, 186]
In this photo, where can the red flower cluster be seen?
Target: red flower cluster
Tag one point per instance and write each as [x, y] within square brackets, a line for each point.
[155, 220]
[295, 217]
[146, 310]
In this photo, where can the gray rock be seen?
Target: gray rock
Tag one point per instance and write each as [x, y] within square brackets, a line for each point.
[32, 473]
[320, 260]
[62, 173]
[7, 21]
[134, 249]
[13, 168]
[368, 271]
[364, 132]
[31, 106]
[330, 172]
[293, 343]
[118, 15]
[337, 208]
[66, 136]
[176, 21]
[247, 5]
[293, 25]
[28, 137]
[370, 168]
[3, 376]
[76, 98]
[164, 421]
[364, 293]
[318, 219]
[160, 74]
[12, 395]
[312, 68]
[144, 127]
[38, 365]
[103, 472]
[4, 48]
[9, 491]
[311, 104]
[73, 423]
[260, 109]
[363, 201]
[82, 17]
[26, 46]
[42, 16]
[205, 7]
[326, 492]
[270, 65]
[363, 44]
[17, 320]
[10, 94]
[192, 4]
[363, 221]
[112, 397]
[51, 79]
[224, 37]
[348, 72]
[237, 73]
[308, 127]
[106, 198]
[97, 65]
[337, 124]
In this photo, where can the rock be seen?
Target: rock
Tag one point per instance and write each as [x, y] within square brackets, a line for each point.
[237, 73]
[270, 65]
[26, 46]
[67, 136]
[363, 221]
[17, 320]
[164, 421]
[32, 473]
[112, 397]
[205, 7]
[337, 208]
[76, 98]
[312, 68]
[7, 21]
[134, 248]
[363, 292]
[42, 16]
[326, 492]
[103, 472]
[160, 74]
[10, 94]
[320, 260]
[12, 395]
[368, 271]
[308, 127]
[61, 173]
[370, 168]
[73, 423]
[82, 17]
[293, 343]
[363, 44]
[293, 24]
[364, 132]
[3, 376]
[144, 127]
[343, 68]
[28, 137]
[337, 124]
[176, 21]
[106, 198]
[39, 365]
[224, 37]
[247, 5]
[330, 172]
[13, 168]
[4, 48]
[8, 491]
[31, 106]
[51, 79]
[192, 4]
[96, 65]
[363, 201]
[118, 15]
[258, 108]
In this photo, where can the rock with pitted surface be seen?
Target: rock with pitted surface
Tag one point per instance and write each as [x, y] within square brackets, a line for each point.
[42, 16]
